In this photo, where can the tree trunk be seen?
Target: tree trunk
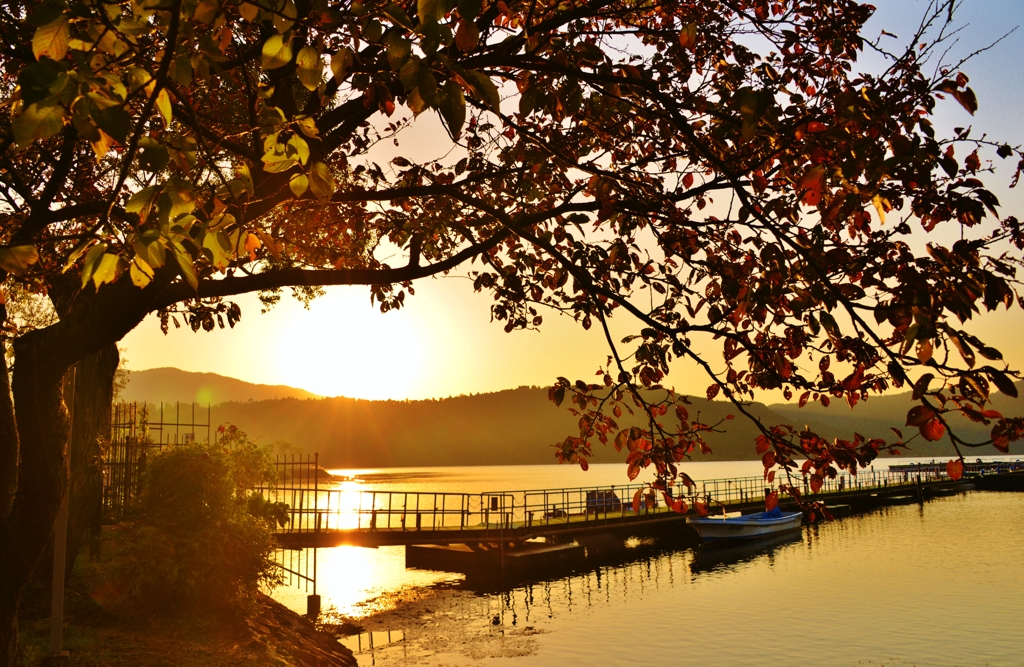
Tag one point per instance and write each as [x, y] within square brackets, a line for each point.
[42, 357]
[9, 450]
[43, 478]
[9, 455]
[90, 431]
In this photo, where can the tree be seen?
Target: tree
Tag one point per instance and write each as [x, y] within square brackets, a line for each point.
[203, 541]
[710, 168]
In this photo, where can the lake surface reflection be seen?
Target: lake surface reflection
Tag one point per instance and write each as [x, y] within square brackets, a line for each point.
[932, 586]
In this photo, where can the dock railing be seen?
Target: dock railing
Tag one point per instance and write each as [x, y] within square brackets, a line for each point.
[319, 509]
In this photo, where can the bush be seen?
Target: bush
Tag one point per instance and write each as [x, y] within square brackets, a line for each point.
[202, 539]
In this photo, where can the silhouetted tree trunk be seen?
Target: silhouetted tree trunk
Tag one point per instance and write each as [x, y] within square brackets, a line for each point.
[42, 430]
[93, 393]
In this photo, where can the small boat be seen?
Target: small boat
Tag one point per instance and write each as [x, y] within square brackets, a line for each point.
[899, 500]
[725, 554]
[729, 529]
[839, 510]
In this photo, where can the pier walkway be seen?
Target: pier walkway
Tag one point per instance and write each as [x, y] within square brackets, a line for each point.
[324, 517]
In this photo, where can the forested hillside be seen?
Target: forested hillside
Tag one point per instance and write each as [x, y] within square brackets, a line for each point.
[516, 426]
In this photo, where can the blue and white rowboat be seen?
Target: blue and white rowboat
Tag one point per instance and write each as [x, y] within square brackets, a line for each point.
[747, 527]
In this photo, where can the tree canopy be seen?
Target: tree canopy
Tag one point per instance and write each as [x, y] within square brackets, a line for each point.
[712, 169]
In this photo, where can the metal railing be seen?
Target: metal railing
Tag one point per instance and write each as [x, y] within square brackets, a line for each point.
[316, 509]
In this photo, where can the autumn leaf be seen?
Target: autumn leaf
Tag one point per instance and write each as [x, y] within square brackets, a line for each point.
[955, 469]
[688, 36]
[919, 415]
[310, 68]
[277, 51]
[18, 259]
[933, 430]
[51, 40]
[771, 501]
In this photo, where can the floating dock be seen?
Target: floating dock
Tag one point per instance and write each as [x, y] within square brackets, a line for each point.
[491, 558]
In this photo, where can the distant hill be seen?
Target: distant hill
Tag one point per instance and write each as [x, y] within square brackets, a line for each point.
[171, 385]
[516, 426]
[874, 417]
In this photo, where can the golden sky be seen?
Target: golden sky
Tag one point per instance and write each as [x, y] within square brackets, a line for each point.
[442, 343]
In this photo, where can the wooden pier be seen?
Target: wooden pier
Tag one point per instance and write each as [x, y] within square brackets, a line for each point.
[329, 517]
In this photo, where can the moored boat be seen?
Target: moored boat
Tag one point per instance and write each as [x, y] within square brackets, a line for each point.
[746, 527]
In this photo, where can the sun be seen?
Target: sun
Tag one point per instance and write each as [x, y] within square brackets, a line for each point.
[344, 346]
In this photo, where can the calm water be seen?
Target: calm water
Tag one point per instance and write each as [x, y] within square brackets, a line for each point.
[937, 586]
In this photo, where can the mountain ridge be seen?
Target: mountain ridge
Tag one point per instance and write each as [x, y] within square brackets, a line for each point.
[170, 385]
[513, 426]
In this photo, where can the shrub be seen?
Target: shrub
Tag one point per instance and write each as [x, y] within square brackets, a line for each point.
[202, 539]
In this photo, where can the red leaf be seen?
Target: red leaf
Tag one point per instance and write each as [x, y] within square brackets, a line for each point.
[814, 127]
[955, 470]
[636, 501]
[771, 501]
[920, 415]
[768, 460]
[713, 391]
[762, 444]
[584, 464]
[687, 181]
[700, 508]
[816, 483]
[992, 414]
[803, 398]
[933, 430]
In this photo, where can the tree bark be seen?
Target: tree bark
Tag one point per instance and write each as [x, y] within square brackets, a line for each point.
[9, 455]
[90, 431]
[42, 357]
[9, 449]
[42, 425]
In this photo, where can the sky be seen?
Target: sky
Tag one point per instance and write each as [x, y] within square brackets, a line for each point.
[442, 343]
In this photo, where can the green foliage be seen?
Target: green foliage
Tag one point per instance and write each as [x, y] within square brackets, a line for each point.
[203, 539]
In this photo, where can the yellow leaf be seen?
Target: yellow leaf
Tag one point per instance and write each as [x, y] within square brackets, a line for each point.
[310, 68]
[882, 205]
[321, 181]
[184, 260]
[249, 11]
[101, 145]
[140, 272]
[107, 269]
[91, 261]
[341, 63]
[36, 122]
[17, 259]
[141, 202]
[252, 244]
[213, 244]
[163, 104]
[207, 11]
[51, 40]
[270, 244]
[277, 52]
[298, 184]
[285, 19]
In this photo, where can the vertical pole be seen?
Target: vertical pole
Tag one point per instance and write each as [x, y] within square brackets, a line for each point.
[60, 534]
[60, 541]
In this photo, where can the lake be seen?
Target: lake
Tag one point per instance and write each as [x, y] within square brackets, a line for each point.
[938, 585]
